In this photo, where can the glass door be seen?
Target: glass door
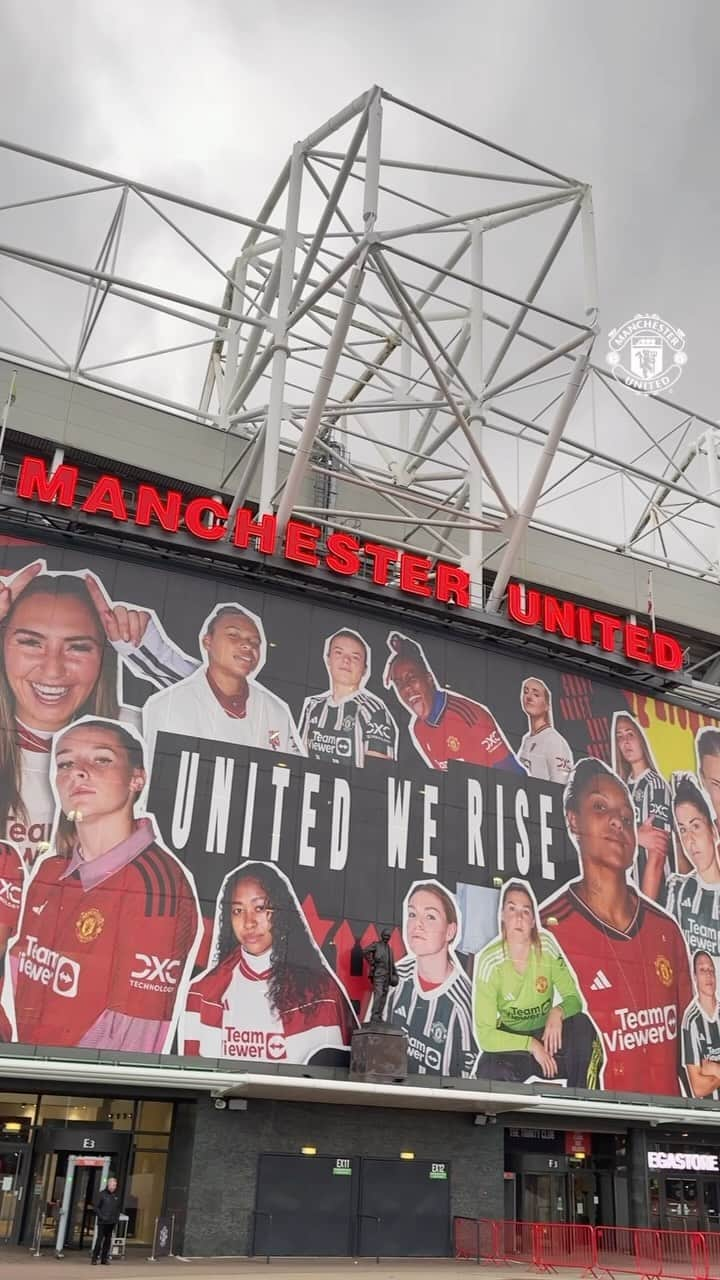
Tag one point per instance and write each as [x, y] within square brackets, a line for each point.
[682, 1205]
[537, 1197]
[711, 1206]
[544, 1197]
[81, 1218]
[583, 1198]
[11, 1189]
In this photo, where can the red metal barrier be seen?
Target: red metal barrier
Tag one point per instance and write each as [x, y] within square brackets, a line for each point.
[638, 1251]
[466, 1238]
[477, 1239]
[564, 1244]
[515, 1241]
[712, 1242]
[488, 1237]
[616, 1251]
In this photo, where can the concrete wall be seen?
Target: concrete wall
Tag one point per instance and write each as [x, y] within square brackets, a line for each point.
[226, 1146]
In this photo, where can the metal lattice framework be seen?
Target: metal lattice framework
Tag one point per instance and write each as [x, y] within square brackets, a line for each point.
[401, 339]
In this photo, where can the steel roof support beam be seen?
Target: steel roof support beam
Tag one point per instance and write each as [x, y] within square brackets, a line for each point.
[303, 452]
[533, 291]
[279, 351]
[525, 513]
[397, 292]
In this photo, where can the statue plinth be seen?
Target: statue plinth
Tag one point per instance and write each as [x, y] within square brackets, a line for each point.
[379, 1054]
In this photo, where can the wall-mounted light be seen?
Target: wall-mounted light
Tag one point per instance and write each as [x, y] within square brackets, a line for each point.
[309, 1151]
[407, 1155]
[12, 1126]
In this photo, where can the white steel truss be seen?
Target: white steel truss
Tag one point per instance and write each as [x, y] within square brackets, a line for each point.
[401, 338]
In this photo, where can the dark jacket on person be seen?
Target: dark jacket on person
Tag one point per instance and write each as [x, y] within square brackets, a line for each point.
[107, 1207]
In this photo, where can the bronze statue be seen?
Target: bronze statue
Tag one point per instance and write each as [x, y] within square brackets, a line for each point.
[383, 973]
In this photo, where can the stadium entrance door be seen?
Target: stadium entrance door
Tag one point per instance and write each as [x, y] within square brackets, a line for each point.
[327, 1206]
[68, 1164]
[404, 1209]
[305, 1206]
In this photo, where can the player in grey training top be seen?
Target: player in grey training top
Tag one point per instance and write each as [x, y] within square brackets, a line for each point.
[633, 762]
[701, 1032]
[347, 724]
[433, 998]
[694, 899]
[543, 751]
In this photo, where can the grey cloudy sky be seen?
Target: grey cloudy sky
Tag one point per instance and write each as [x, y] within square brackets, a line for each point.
[206, 97]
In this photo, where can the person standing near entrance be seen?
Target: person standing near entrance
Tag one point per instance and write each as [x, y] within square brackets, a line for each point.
[107, 1208]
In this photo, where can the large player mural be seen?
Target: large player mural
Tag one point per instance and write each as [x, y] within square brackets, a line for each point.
[212, 795]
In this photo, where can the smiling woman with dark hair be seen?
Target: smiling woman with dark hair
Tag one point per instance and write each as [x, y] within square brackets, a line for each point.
[62, 642]
[268, 995]
[629, 956]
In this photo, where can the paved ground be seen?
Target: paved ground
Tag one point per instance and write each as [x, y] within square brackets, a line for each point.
[17, 1264]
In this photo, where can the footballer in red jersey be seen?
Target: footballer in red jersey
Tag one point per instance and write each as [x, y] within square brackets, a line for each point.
[12, 881]
[444, 726]
[628, 955]
[110, 923]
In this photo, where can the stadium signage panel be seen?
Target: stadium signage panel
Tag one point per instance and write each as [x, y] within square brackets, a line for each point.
[592, 627]
[208, 520]
[697, 1161]
[223, 791]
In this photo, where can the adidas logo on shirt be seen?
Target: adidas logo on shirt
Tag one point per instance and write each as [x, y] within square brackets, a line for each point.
[600, 982]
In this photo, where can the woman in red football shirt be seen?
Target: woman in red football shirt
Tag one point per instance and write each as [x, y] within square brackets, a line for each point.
[628, 955]
[269, 995]
[110, 923]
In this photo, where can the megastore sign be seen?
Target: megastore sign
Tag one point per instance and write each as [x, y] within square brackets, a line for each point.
[207, 519]
[213, 795]
[680, 1161]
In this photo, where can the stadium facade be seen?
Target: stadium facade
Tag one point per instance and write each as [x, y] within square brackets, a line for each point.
[247, 726]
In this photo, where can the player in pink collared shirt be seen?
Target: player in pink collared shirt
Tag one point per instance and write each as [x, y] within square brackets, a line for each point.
[110, 923]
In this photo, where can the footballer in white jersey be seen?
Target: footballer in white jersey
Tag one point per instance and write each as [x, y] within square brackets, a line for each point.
[546, 754]
[543, 753]
[222, 700]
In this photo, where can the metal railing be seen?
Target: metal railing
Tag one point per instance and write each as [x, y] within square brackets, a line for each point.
[648, 1252]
